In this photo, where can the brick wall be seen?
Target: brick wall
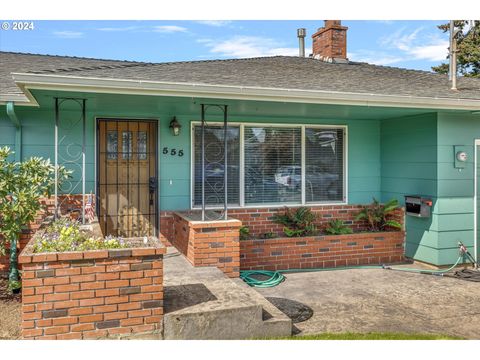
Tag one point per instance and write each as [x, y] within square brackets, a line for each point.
[322, 251]
[92, 294]
[209, 243]
[259, 220]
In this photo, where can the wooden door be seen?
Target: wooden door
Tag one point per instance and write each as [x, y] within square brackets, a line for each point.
[127, 177]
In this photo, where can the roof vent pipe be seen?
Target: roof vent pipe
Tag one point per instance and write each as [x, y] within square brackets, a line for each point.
[301, 33]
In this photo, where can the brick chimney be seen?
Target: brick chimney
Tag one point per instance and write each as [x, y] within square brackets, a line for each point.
[330, 42]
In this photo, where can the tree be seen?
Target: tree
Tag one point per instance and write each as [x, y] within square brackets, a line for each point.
[468, 49]
[22, 185]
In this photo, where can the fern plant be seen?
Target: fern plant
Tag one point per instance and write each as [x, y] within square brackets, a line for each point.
[377, 215]
[244, 233]
[297, 222]
[337, 227]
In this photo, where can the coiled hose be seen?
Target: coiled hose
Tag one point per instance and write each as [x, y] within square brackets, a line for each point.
[274, 278]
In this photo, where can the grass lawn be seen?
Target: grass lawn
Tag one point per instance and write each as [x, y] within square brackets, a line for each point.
[371, 336]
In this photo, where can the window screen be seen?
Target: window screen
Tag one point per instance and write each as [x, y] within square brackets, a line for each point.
[214, 165]
[324, 168]
[272, 165]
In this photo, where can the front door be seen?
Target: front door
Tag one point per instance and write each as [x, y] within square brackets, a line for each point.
[127, 177]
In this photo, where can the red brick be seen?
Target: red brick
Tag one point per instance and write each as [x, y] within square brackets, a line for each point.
[57, 280]
[97, 334]
[131, 321]
[82, 294]
[92, 302]
[116, 299]
[116, 283]
[70, 255]
[90, 318]
[80, 311]
[92, 285]
[56, 330]
[82, 327]
[69, 336]
[57, 297]
[32, 299]
[67, 271]
[82, 278]
[65, 304]
[65, 320]
[66, 288]
[107, 292]
[32, 332]
[130, 306]
[115, 315]
[95, 254]
[108, 276]
[105, 309]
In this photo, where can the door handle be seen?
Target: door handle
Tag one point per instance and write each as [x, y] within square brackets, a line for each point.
[152, 184]
[152, 187]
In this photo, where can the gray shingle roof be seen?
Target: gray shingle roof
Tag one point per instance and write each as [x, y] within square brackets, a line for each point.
[269, 72]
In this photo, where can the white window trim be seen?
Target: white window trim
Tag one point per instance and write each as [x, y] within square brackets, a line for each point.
[242, 125]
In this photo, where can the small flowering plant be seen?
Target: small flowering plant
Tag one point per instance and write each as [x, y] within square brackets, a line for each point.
[66, 235]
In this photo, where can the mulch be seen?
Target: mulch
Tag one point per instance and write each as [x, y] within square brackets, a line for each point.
[10, 314]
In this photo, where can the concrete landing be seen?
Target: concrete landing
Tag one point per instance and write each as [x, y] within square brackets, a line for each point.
[202, 303]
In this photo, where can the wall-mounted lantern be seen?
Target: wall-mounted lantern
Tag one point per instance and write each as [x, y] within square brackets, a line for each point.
[175, 127]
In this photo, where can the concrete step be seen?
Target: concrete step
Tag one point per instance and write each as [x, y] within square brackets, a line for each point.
[202, 303]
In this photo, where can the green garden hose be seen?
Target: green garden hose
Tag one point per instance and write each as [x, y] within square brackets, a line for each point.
[276, 277]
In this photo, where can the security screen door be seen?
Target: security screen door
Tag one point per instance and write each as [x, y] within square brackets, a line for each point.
[127, 177]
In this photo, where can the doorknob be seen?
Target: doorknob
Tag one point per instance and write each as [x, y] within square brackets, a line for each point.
[152, 186]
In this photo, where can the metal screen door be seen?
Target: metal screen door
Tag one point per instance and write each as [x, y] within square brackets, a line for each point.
[127, 203]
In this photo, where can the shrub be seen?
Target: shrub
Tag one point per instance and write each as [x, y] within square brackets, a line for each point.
[297, 223]
[377, 215]
[244, 232]
[337, 227]
[22, 184]
[66, 235]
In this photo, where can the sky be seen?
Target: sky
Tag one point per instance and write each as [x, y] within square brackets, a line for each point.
[407, 44]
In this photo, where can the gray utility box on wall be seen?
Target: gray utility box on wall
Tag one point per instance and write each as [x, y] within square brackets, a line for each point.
[418, 206]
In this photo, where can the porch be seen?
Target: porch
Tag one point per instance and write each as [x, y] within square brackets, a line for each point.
[382, 152]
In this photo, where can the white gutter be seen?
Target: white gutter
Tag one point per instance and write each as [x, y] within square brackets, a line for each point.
[26, 82]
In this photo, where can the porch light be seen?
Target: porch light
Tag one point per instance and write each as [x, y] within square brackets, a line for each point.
[175, 127]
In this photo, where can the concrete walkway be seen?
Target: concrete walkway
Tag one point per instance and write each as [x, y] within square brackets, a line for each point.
[381, 300]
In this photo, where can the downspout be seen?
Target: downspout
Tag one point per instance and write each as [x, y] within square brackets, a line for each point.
[13, 274]
[18, 132]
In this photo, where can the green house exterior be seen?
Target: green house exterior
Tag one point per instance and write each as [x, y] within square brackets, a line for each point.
[397, 142]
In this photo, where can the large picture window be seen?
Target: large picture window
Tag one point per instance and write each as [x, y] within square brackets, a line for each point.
[270, 165]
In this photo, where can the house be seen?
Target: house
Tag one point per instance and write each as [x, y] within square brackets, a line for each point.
[321, 131]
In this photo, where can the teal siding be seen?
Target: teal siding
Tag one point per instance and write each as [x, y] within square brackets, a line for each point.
[174, 171]
[409, 166]
[418, 158]
[7, 129]
[455, 187]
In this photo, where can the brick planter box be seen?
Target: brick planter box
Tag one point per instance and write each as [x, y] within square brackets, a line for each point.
[92, 294]
[322, 251]
[208, 243]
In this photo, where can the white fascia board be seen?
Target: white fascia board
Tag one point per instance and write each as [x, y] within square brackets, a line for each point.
[18, 99]
[156, 88]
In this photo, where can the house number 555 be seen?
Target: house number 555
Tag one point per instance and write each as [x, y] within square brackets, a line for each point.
[172, 152]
